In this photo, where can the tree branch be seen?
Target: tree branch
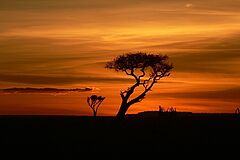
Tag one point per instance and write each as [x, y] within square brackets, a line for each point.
[131, 89]
[99, 103]
[143, 73]
[132, 74]
[122, 94]
[146, 82]
[142, 95]
[127, 72]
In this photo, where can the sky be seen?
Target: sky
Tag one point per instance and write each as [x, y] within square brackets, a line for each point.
[65, 45]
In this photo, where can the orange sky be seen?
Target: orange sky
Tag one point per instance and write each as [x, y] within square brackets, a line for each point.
[65, 44]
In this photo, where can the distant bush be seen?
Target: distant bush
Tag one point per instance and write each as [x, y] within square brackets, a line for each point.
[161, 109]
[170, 109]
[237, 111]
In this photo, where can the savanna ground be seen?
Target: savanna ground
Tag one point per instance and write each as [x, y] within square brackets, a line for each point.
[143, 133]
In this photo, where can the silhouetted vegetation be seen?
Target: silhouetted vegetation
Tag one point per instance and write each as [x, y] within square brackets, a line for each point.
[145, 68]
[94, 102]
[237, 111]
[170, 109]
[161, 109]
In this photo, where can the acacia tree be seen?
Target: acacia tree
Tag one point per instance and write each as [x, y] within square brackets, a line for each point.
[94, 102]
[145, 68]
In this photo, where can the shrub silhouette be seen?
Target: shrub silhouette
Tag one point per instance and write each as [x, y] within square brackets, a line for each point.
[145, 68]
[94, 102]
[171, 109]
[237, 111]
[161, 109]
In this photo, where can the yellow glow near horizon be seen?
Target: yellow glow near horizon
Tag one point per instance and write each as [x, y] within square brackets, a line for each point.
[114, 33]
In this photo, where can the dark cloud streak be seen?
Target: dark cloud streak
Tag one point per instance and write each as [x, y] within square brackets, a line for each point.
[43, 90]
[232, 94]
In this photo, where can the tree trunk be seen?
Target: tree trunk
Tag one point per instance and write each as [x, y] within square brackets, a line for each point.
[94, 113]
[122, 111]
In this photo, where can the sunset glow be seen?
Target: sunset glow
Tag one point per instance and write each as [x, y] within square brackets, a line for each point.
[66, 44]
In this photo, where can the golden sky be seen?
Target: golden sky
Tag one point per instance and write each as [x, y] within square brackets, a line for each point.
[65, 44]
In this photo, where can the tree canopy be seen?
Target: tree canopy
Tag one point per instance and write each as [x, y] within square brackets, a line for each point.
[130, 62]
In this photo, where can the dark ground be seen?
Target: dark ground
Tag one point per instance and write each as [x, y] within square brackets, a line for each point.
[167, 133]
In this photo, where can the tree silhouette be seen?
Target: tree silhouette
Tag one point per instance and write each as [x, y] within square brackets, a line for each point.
[145, 68]
[94, 102]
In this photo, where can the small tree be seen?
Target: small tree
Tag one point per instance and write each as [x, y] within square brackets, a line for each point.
[145, 68]
[94, 102]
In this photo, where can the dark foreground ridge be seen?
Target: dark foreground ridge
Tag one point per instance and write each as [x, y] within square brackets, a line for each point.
[144, 132]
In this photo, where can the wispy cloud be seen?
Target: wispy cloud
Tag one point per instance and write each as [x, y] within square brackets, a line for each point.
[215, 55]
[189, 5]
[230, 95]
[43, 90]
